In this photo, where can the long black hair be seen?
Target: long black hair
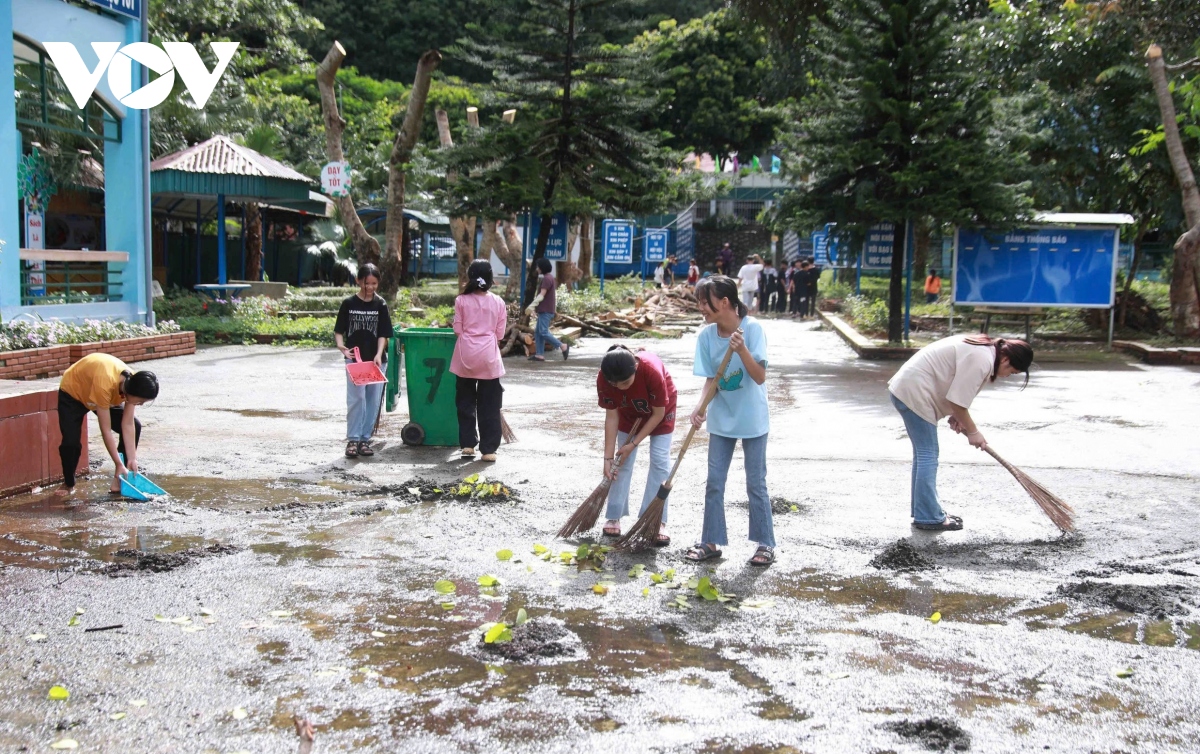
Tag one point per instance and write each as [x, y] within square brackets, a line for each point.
[544, 265]
[618, 365]
[141, 384]
[479, 276]
[367, 270]
[717, 287]
[1019, 353]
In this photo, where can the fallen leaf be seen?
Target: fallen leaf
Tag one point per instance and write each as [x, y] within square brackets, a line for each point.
[138, 703]
[79, 611]
[795, 508]
[1125, 673]
[73, 622]
[414, 490]
[487, 580]
[205, 611]
[193, 629]
[58, 693]
[646, 592]
[325, 673]
[497, 633]
[540, 549]
[504, 555]
[36, 637]
[281, 613]
[65, 743]
[600, 589]
[522, 616]
[935, 618]
[637, 570]
[837, 676]
[447, 605]
[240, 713]
[758, 604]
[162, 619]
[117, 716]
[444, 586]
[182, 620]
[378, 634]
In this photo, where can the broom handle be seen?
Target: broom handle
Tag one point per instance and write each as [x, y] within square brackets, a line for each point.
[709, 394]
[616, 464]
[1011, 469]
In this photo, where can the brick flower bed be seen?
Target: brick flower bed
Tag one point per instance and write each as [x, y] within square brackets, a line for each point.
[51, 361]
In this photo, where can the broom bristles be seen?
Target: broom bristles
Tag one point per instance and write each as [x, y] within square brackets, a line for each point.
[645, 530]
[1056, 509]
[586, 515]
[506, 431]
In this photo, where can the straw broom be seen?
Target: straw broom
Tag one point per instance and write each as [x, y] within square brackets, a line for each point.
[506, 431]
[585, 515]
[645, 531]
[1061, 514]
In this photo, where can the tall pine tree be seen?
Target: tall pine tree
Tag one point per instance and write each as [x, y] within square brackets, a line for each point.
[897, 129]
[574, 146]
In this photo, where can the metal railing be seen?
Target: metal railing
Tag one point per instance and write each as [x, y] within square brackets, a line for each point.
[70, 277]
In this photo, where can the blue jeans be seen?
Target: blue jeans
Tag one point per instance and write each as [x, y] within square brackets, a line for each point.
[362, 406]
[542, 335]
[720, 454]
[660, 467]
[925, 506]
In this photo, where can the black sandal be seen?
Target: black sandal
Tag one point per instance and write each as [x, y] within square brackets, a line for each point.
[950, 523]
[352, 449]
[763, 557]
[364, 449]
[700, 552]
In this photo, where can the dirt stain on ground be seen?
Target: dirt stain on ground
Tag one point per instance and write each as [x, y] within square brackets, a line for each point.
[934, 733]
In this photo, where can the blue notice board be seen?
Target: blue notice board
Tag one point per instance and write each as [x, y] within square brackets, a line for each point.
[130, 8]
[617, 239]
[1074, 267]
[656, 244]
[877, 249]
[556, 244]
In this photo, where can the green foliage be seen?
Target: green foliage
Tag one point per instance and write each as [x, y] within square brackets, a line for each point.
[869, 314]
[711, 97]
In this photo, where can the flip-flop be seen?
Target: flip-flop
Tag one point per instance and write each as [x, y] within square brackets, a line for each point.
[701, 552]
[950, 523]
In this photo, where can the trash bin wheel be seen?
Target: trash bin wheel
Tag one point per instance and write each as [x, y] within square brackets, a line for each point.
[412, 434]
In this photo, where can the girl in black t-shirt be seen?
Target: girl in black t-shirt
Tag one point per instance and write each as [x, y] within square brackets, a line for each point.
[363, 322]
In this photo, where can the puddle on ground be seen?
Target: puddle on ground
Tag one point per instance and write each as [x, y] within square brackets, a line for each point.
[288, 553]
[879, 595]
[36, 547]
[271, 413]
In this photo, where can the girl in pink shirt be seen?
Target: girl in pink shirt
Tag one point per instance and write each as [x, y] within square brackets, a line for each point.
[480, 318]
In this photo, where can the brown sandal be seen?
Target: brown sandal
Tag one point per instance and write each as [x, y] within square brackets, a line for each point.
[352, 449]
[364, 449]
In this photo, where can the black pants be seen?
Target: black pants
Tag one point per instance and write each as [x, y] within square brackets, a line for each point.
[781, 301]
[799, 304]
[479, 400]
[812, 302]
[71, 416]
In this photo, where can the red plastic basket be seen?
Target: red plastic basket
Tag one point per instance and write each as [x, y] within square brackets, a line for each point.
[364, 372]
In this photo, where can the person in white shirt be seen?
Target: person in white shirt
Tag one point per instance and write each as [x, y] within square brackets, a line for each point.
[941, 380]
[748, 276]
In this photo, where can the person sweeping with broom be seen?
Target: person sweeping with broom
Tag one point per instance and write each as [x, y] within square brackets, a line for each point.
[738, 412]
[633, 386]
[480, 318]
[942, 379]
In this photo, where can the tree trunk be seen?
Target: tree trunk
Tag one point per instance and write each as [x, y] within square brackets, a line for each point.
[1139, 234]
[254, 241]
[1185, 276]
[896, 285]
[586, 227]
[365, 244]
[462, 229]
[394, 268]
[512, 242]
[922, 236]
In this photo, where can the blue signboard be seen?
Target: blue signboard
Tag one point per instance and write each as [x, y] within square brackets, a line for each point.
[877, 248]
[130, 8]
[1036, 267]
[617, 239]
[656, 244]
[820, 244]
[556, 244]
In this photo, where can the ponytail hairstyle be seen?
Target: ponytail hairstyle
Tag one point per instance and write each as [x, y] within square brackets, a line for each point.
[618, 365]
[367, 270]
[544, 265]
[479, 277]
[1019, 353]
[718, 287]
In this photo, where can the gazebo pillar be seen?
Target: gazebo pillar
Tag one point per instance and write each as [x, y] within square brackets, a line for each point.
[222, 273]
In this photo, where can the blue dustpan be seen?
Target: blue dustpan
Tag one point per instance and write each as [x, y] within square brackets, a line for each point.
[129, 490]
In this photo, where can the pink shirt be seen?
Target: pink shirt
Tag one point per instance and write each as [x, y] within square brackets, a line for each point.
[479, 321]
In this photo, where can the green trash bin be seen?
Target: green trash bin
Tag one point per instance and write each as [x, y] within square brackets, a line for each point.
[432, 415]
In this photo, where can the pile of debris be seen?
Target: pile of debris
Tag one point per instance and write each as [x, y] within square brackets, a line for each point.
[665, 312]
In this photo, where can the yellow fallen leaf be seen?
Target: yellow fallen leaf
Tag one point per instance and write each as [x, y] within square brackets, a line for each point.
[935, 618]
[600, 589]
[58, 693]
[182, 620]
[65, 743]
[117, 716]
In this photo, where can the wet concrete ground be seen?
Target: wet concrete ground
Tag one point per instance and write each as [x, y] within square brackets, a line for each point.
[321, 600]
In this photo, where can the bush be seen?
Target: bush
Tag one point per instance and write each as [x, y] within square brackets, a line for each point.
[21, 334]
[866, 314]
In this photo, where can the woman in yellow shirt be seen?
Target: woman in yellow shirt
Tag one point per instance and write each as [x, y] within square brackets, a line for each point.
[102, 384]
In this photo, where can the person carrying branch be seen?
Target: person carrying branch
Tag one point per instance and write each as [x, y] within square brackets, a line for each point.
[739, 412]
[103, 385]
[942, 379]
[543, 306]
[634, 386]
[480, 318]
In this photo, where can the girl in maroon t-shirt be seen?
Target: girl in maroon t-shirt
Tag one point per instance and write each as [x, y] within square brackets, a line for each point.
[632, 386]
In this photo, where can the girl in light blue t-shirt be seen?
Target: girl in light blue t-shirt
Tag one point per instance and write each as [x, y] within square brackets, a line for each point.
[739, 411]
